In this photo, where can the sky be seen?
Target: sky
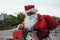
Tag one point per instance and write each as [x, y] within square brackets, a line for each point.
[46, 7]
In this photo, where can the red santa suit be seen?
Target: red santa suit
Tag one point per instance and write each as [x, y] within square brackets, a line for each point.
[42, 26]
[44, 22]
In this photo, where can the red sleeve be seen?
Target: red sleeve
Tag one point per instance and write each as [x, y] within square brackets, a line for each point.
[41, 24]
[52, 24]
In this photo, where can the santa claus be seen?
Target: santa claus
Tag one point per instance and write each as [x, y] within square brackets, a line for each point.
[39, 24]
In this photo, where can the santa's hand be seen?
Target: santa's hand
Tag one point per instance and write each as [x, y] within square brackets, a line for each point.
[29, 36]
[21, 27]
[30, 33]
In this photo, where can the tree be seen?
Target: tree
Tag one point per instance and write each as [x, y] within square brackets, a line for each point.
[57, 19]
[21, 17]
[13, 20]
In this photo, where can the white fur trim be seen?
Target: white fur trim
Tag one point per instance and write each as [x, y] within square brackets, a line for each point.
[31, 10]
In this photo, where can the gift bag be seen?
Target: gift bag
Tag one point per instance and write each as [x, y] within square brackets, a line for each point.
[17, 34]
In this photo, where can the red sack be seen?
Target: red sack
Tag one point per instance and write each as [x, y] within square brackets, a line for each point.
[17, 34]
[51, 23]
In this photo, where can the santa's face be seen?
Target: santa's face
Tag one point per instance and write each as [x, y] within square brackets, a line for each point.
[30, 13]
[30, 21]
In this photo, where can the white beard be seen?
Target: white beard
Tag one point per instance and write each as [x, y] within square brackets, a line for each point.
[30, 21]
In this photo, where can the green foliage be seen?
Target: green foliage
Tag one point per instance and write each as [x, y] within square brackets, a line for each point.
[57, 19]
[12, 21]
[20, 17]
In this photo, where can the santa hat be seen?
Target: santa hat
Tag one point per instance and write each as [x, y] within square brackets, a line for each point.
[30, 8]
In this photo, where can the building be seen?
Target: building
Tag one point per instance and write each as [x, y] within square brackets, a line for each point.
[2, 17]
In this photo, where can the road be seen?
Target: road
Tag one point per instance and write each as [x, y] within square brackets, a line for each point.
[8, 34]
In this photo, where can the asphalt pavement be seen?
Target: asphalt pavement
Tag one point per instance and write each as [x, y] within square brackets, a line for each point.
[8, 34]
